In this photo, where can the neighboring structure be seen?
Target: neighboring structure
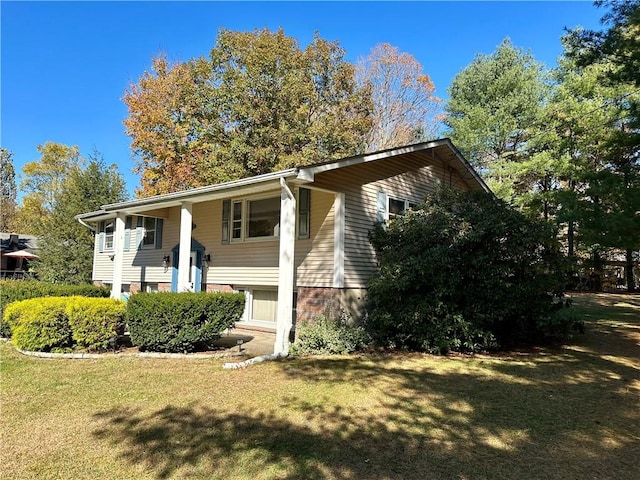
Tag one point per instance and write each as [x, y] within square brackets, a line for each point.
[16, 251]
[295, 241]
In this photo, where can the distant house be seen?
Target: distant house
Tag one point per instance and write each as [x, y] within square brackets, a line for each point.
[16, 252]
[294, 241]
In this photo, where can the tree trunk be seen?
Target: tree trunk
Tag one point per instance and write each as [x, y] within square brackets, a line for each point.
[628, 270]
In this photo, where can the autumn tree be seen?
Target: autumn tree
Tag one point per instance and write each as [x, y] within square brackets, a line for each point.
[66, 246]
[42, 180]
[174, 127]
[405, 107]
[259, 103]
[8, 191]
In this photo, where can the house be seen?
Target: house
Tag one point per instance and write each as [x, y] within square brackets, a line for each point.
[295, 241]
[16, 251]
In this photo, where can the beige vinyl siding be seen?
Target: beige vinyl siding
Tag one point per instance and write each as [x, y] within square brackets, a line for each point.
[409, 179]
[314, 256]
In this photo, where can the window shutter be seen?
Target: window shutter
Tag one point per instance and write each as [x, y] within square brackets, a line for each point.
[304, 211]
[226, 217]
[127, 233]
[382, 207]
[101, 237]
[159, 222]
[139, 232]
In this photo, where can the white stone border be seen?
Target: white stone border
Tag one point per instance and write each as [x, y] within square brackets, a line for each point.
[191, 356]
[251, 361]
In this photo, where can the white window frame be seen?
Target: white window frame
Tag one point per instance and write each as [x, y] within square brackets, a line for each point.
[242, 223]
[111, 235]
[145, 230]
[247, 316]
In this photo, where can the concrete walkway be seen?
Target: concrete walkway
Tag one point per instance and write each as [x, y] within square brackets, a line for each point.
[253, 342]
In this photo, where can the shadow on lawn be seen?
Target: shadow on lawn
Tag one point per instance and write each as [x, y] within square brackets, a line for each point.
[567, 413]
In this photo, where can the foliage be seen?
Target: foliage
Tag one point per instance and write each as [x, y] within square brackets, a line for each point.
[493, 104]
[464, 272]
[405, 108]
[325, 335]
[40, 325]
[66, 252]
[95, 322]
[16, 290]
[260, 103]
[64, 323]
[8, 193]
[181, 322]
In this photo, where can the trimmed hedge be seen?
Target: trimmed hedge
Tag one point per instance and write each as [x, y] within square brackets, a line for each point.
[40, 324]
[95, 322]
[16, 290]
[181, 322]
[63, 323]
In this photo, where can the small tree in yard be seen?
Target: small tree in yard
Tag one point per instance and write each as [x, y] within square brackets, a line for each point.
[464, 272]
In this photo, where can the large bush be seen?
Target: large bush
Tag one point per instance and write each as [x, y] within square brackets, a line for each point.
[95, 322]
[40, 324]
[64, 323]
[15, 290]
[181, 322]
[464, 272]
[325, 335]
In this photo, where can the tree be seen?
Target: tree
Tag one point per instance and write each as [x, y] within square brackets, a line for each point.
[8, 192]
[611, 204]
[464, 272]
[494, 102]
[66, 253]
[175, 127]
[259, 104]
[405, 108]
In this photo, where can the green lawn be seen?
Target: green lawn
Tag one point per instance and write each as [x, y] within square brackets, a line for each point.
[562, 413]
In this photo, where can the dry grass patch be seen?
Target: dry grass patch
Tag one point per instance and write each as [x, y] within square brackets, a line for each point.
[565, 413]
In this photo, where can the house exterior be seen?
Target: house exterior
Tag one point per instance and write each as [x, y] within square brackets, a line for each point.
[295, 241]
[16, 251]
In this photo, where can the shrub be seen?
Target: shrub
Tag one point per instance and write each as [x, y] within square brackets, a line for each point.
[15, 290]
[324, 335]
[181, 322]
[41, 324]
[95, 322]
[464, 272]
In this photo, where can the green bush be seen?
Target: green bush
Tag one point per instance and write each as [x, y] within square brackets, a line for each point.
[324, 335]
[464, 272]
[95, 322]
[41, 324]
[181, 322]
[16, 290]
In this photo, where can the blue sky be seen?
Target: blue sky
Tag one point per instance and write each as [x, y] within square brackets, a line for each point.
[65, 65]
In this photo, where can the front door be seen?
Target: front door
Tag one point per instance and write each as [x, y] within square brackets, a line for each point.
[195, 267]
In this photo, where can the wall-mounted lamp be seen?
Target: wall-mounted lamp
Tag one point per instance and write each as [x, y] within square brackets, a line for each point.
[206, 259]
[111, 257]
[166, 262]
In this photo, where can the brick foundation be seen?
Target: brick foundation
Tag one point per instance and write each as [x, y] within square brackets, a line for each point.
[315, 301]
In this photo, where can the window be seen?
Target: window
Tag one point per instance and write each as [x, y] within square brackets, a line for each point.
[263, 218]
[109, 229]
[149, 235]
[390, 207]
[304, 209]
[250, 219]
[149, 232]
[236, 225]
[261, 306]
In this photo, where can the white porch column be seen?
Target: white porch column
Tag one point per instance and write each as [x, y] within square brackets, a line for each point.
[286, 268]
[118, 256]
[184, 255]
[338, 240]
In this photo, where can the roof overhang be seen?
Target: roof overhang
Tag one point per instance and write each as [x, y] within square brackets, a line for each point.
[272, 181]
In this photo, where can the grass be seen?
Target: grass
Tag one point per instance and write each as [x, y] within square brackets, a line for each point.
[570, 412]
